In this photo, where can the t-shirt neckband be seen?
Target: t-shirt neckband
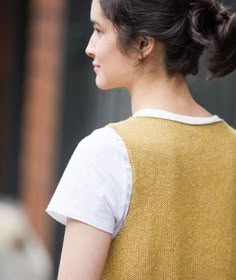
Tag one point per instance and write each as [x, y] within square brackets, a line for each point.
[163, 114]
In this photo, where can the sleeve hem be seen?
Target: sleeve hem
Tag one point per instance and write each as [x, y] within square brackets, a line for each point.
[61, 216]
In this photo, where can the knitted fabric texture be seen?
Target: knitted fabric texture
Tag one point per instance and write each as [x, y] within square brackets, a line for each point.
[181, 223]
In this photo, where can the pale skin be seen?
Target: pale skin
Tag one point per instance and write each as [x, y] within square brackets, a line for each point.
[85, 248]
[84, 252]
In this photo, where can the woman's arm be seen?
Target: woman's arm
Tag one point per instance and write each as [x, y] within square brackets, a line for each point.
[84, 252]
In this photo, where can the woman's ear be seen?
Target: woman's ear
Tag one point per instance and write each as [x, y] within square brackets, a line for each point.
[146, 45]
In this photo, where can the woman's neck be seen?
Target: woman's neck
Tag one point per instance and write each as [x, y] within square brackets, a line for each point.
[170, 94]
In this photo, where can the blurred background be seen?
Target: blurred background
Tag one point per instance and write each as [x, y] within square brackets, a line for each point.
[48, 103]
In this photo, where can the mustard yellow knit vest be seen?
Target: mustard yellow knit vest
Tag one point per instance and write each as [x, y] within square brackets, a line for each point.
[181, 223]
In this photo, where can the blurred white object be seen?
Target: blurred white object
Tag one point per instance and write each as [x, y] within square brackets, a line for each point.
[22, 255]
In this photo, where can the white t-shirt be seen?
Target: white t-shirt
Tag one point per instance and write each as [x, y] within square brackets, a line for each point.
[96, 185]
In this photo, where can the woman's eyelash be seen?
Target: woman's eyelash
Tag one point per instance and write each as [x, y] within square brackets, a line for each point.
[97, 30]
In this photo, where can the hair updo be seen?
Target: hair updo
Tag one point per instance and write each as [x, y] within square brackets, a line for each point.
[185, 27]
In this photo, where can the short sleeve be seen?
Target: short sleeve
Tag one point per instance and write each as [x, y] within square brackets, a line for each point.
[95, 187]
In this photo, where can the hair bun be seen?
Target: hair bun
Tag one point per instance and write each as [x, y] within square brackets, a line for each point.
[222, 53]
[222, 16]
[212, 27]
[204, 16]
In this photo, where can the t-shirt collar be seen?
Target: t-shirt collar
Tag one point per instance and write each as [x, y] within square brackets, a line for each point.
[163, 114]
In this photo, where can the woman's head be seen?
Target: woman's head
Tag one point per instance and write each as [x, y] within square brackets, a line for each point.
[113, 68]
[184, 28]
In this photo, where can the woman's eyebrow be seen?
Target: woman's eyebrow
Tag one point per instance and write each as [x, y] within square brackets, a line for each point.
[94, 22]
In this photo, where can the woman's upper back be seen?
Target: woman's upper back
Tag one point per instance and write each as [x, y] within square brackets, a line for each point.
[182, 215]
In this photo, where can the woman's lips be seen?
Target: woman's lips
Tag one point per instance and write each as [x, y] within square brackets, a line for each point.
[95, 66]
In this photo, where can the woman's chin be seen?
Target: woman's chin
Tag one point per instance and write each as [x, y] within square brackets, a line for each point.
[103, 86]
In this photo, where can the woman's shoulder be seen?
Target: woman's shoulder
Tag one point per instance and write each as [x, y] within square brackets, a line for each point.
[95, 185]
[102, 140]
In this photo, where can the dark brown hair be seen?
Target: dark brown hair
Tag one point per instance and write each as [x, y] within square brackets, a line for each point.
[185, 27]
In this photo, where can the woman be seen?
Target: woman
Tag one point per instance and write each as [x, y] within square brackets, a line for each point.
[153, 197]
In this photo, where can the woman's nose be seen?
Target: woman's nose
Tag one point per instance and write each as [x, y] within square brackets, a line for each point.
[89, 50]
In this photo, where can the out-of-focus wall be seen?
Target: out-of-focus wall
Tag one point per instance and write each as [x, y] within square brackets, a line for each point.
[31, 33]
[12, 24]
[38, 154]
[5, 57]
[22, 252]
